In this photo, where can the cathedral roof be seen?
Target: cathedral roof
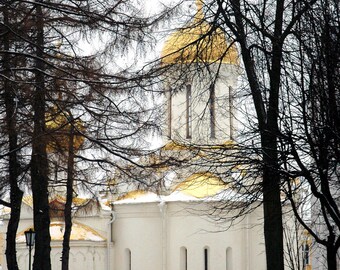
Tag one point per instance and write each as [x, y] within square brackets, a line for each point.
[134, 194]
[202, 185]
[199, 41]
[198, 186]
[79, 232]
[138, 196]
[57, 200]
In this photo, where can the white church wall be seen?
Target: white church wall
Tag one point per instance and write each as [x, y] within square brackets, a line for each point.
[190, 228]
[84, 255]
[138, 229]
[181, 233]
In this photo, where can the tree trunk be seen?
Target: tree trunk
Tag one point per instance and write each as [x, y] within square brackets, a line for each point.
[16, 198]
[268, 127]
[68, 204]
[14, 167]
[331, 257]
[39, 164]
[273, 228]
[272, 208]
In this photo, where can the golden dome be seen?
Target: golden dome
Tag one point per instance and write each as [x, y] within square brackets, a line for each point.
[59, 127]
[198, 42]
[202, 185]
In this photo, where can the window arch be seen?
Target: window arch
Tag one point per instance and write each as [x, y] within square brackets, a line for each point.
[128, 259]
[229, 259]
[183, 258]
[188, 112]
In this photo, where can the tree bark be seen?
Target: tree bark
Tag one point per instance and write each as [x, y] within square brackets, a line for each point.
[68, 204]
[273, 228]
[268, 127]
[39, 164]
[331, 257]
[14, 167]
[12, 228]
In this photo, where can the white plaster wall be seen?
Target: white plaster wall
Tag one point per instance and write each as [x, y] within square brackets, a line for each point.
[195, 232]
[138, 228]
[155, 243]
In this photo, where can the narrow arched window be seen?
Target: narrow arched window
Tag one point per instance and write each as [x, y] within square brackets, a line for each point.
[183, 258]
[128, 259]
[206, 259]
[55, 169]
[169, 113]
[231, 111]
[212, 111]
[188, 112]
[305, 256]
[229, 261]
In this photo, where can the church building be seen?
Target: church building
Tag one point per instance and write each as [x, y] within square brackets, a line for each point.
[170, 228]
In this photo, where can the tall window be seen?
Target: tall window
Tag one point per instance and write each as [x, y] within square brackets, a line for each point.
[188, 112]
[183, 258]
[206, 259]
[128, 262]
[229, 262]
[212, 112]
[305, 256]
[231, 111]
[169, 113]
[56, 168]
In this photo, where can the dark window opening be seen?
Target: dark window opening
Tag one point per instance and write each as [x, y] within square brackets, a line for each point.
[184, 258]
[231, 105]
[212, 112]
[206, 262]
[170, 114]
[188, 112]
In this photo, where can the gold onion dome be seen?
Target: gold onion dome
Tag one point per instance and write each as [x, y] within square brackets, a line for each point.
[199, 42]
[59, 129]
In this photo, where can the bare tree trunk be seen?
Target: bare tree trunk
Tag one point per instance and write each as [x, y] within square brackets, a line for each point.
[39, 164]
[268, 128]
[16, 198]
[273, 228]
[331, 257]
[14, 167]
[68, 204]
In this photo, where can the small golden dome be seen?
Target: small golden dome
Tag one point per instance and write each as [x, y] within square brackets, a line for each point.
[199, 42]
[59, 127]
